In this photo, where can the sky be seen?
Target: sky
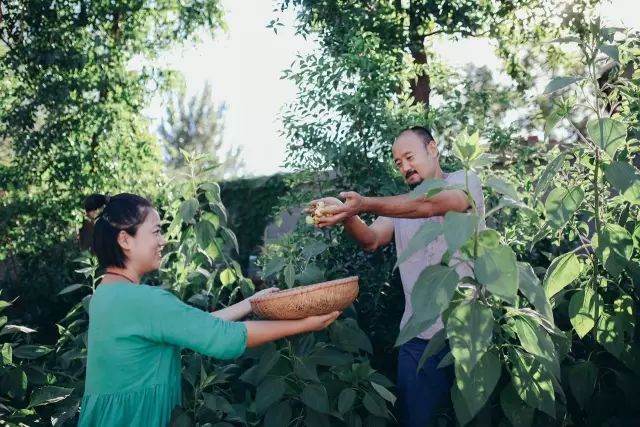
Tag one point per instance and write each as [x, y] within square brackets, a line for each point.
[244, 67]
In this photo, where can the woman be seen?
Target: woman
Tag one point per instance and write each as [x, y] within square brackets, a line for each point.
[136, 331]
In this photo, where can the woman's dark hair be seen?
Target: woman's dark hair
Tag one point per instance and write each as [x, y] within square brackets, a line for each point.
[111, 215]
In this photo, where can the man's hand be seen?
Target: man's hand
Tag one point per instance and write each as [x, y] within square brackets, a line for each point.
[353, 205]
[321, 211]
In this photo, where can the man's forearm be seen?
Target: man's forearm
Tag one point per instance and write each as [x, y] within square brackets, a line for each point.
[361, 233]
[401, 206]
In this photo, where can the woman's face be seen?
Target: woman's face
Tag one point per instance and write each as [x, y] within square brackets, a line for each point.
[144, 250]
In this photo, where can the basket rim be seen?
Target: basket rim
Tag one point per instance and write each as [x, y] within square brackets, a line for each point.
[304, 289]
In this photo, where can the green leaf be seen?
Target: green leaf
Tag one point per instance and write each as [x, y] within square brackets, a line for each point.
[205, 233]
[28, 351]
[584, 310]
[470, 330]
[289, 275]
[514, 408]
[48, 394]
[611, 51]
[305, 369]
[188, 210]
[228, 276]
[428, 232]
[382, 391]
[503, 187]
[476, 387]
[315, 397]
[315, 419]
[458, 228]
[487, 239]
[311, 274]
[532, 290]
[536, 341]
[435, 345]
[432, 291]
[582, 381]
[614, 134]
[614, 247]
[609, 334]
[626, 179]
[269, 392]
[6, 353]
[548, 174]
[561, 204]
[532, 382]
[273, 266]
[230, 237]
[68, 289]
[560, 83]
[278, 415]
[563, 270]
[552, 120]
[498, 271]
[467, 147]
[374, 405]
[346, 400]
[428, 188]
[313, 249]
[460, 406]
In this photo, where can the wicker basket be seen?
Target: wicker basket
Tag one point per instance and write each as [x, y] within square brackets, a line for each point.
[312, 300]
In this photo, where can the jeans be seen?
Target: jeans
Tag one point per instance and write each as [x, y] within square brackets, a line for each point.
[422, 393]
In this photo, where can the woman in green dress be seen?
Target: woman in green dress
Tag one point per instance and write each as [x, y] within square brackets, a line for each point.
[136, 331]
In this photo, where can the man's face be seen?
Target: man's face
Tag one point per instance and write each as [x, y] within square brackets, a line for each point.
[414, 160]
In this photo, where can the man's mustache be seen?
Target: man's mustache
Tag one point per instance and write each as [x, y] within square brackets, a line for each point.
[409, 173]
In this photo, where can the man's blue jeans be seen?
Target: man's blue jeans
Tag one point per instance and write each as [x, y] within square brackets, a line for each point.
[421, 393]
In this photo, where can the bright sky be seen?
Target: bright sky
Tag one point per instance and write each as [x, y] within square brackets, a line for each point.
[244, 66]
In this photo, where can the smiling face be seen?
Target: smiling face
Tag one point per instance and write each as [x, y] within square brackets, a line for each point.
[415, 159]
[144, 250]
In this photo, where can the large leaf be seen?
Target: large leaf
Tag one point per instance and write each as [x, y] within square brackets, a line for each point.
[611, 51]
[614, 134]
[269, 392]
[188, 210]
[532, 290]
[374, 404]
[425, 235]
[626, 179]
[582, 381]
[476, 387]
[467, 147]
[498, 271]
[609, 333]
[205, 233]
[384, 393]
[503, 187]
[548, 174]
[312, 249]
[516, 411]
[560, 83]
[435, 345]
[278, 415]
[228, 276]
[562, 271]
[458, 228]
[536, 341]
[315, 397]
[289, 275]
[316, 419]
[469, 329]
[431, 295]
[346, 399]
[613, 246]
[48, 394]
[428, 188]
[532, 382]
[584, 310]
[463, 414]
[274, 266]
[28, 351]
[561, 204]
[487, 239]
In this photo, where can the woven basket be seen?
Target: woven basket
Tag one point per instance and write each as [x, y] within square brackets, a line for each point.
[304, 301]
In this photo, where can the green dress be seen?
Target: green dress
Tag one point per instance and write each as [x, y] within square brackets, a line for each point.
[133, 363]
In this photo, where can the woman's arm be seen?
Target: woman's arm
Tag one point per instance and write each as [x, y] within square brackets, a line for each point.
[241, 309]
[264, 331]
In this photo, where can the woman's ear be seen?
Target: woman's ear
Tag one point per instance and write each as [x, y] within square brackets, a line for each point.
[124, 240]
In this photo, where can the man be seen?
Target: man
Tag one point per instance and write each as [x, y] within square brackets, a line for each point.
[416, 157]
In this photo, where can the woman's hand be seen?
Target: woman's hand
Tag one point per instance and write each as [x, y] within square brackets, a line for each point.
[318, 323]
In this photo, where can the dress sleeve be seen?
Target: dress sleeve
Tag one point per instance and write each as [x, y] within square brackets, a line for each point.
[171, 321]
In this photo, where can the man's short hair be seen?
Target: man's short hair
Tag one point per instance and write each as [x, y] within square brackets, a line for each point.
[423, 133]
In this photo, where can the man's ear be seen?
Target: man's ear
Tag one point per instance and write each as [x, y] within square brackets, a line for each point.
[432, 148]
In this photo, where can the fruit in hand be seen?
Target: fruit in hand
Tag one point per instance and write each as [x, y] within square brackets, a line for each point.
[317, 213]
